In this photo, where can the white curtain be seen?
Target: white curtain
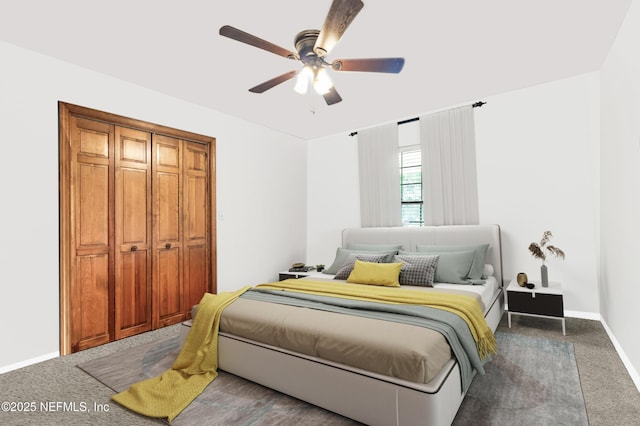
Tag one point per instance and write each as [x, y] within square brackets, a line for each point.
[379, 176]
[449, 181]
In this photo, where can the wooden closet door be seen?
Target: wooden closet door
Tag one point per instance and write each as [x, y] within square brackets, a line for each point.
[136, 243]
[167, 231]
[91, 284]
[133, 231]
[196, 223]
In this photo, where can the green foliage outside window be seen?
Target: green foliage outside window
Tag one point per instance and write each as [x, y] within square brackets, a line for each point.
[411, 187]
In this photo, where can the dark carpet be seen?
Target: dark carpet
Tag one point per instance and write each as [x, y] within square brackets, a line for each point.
[532, 381]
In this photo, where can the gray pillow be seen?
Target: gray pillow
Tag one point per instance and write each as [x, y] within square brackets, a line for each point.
[480, 251]
[342, 255]
[453, 267]
[417, 270]
[345, 270]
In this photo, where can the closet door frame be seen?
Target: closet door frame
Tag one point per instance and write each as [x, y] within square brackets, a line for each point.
[65, 112]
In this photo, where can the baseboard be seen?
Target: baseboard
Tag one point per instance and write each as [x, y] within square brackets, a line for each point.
[27, 362]
[583, 315]
[623, 356]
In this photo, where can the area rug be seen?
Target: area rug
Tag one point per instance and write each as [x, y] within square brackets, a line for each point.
[532, 381]
[228, 400]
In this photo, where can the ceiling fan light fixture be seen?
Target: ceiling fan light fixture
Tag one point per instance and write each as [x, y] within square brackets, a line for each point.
[312, 46]
[322, 82]
[305, 76]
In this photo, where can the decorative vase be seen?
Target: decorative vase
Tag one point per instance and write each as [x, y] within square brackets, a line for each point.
[522, 279]
[544, 278]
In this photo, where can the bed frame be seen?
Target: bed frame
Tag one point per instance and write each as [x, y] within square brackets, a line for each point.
[369, 398]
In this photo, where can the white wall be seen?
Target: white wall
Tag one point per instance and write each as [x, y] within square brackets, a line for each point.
[334, 196]
[537, 170]
[261, 227]
[620, 211]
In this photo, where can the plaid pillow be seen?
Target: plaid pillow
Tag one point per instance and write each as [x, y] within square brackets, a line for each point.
[417, 270]
[346, 268]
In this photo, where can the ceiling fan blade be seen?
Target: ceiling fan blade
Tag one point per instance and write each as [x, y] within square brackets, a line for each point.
[340, 15]
[263, 87]
[332, 97]
[388, 65]
[243, 37]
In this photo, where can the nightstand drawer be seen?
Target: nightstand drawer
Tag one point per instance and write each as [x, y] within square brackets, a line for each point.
[288, 275]
[312, 273]
[535, 303]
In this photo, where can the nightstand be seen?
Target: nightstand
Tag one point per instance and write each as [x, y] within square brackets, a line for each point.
[285, 275]
[546, 302]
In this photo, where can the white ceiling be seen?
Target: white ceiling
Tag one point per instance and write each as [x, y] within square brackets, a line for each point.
[456, 51]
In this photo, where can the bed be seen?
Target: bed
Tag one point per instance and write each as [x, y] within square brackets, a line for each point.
[359, 390]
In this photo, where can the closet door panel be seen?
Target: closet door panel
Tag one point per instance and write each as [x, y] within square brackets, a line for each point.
[196, 275]
[92, 208]
[132, 303]
[196, 212]
[167, 294]
[132, 210]
[91, 256]
[167, 231]
[133, 200]
[196, 209]
[91, 319]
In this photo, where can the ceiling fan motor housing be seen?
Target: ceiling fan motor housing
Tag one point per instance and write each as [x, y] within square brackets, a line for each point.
[305, 41]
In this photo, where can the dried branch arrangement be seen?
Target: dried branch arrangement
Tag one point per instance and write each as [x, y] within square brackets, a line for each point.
[538, 249]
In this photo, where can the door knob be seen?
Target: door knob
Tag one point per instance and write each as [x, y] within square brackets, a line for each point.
[134, 248]
[167, 246]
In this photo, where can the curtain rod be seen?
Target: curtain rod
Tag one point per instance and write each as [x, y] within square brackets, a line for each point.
[409, 120]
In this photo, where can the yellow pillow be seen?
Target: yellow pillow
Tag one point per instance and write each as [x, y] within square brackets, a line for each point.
[384, 274]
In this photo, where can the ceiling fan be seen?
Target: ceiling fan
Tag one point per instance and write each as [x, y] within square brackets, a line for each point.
[312, 46]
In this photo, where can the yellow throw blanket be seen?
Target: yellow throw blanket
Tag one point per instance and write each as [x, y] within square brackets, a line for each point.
[195, 367]
[464, 306]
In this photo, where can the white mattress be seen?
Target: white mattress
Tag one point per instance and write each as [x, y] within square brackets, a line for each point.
[487, 291]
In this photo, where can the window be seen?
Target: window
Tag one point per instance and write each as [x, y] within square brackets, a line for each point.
[411, 185]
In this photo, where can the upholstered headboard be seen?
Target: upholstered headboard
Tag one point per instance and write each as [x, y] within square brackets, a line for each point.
[409, 237]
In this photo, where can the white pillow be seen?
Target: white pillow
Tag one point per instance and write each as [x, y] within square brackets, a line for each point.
[488, 270]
